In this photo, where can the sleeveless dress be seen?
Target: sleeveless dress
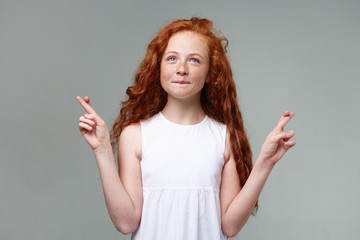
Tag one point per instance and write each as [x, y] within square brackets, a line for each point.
[181, 169]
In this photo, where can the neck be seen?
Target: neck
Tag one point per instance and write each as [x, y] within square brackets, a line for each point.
[183, 112]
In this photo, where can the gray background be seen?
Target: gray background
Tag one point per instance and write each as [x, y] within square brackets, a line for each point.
[297, 55]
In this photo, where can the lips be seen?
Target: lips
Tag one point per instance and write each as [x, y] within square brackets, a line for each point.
[181, 82]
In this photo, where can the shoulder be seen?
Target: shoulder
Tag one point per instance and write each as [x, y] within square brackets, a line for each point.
[220, 131]
[130, 130]
[217, 128]
[217, 123]
[130, 139]
[131, 133]
[151, 121]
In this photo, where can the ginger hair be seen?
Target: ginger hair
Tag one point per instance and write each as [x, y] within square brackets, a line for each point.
[218, 97]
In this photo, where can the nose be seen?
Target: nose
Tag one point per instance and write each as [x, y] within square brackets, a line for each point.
[182, 68]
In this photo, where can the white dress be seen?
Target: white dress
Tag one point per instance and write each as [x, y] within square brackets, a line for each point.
[181, 169]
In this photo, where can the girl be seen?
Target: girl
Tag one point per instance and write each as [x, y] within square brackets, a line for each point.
[184, 160]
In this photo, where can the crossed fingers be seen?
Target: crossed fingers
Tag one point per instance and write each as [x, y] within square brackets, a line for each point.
[86, 104]
[285, 136]
[285, 118]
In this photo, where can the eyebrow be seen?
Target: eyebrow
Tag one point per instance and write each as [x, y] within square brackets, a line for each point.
[191, 54]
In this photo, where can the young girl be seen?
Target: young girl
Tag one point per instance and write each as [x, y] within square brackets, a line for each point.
[184, 160]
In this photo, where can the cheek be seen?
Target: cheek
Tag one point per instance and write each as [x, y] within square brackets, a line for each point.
[200, 76]
[165, 76]
[165, 71]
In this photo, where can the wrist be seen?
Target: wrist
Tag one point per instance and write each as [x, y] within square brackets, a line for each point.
[103, 149]
[264, 164]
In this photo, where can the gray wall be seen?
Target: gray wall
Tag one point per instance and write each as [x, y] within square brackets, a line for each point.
[297, 55]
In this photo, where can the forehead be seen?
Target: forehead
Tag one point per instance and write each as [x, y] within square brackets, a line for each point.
[187, 41]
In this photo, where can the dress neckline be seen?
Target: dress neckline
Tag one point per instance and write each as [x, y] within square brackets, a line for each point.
[183, 125]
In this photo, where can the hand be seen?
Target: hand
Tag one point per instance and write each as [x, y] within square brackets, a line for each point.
[92, 127]
[277, 142]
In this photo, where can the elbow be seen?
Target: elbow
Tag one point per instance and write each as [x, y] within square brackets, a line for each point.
[122, 229]
[127, 223]
[126, 227]
[229, 233]
[230, 230]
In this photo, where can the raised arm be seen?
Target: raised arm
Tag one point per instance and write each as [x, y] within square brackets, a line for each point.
[236, 203]
[122, 190]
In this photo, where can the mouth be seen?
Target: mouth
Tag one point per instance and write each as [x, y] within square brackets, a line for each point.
[181, 82]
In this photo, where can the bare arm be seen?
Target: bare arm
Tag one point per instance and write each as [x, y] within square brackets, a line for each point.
[236, 203]
[122, 190]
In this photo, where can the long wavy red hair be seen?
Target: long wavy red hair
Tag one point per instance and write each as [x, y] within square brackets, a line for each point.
[218, 97]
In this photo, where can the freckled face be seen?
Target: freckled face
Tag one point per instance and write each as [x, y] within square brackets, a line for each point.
[184, 66]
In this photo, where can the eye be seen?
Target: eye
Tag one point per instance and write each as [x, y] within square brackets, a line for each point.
[194, 60]
[171, 59]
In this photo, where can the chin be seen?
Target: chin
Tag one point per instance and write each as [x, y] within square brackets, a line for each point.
[184, 96]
